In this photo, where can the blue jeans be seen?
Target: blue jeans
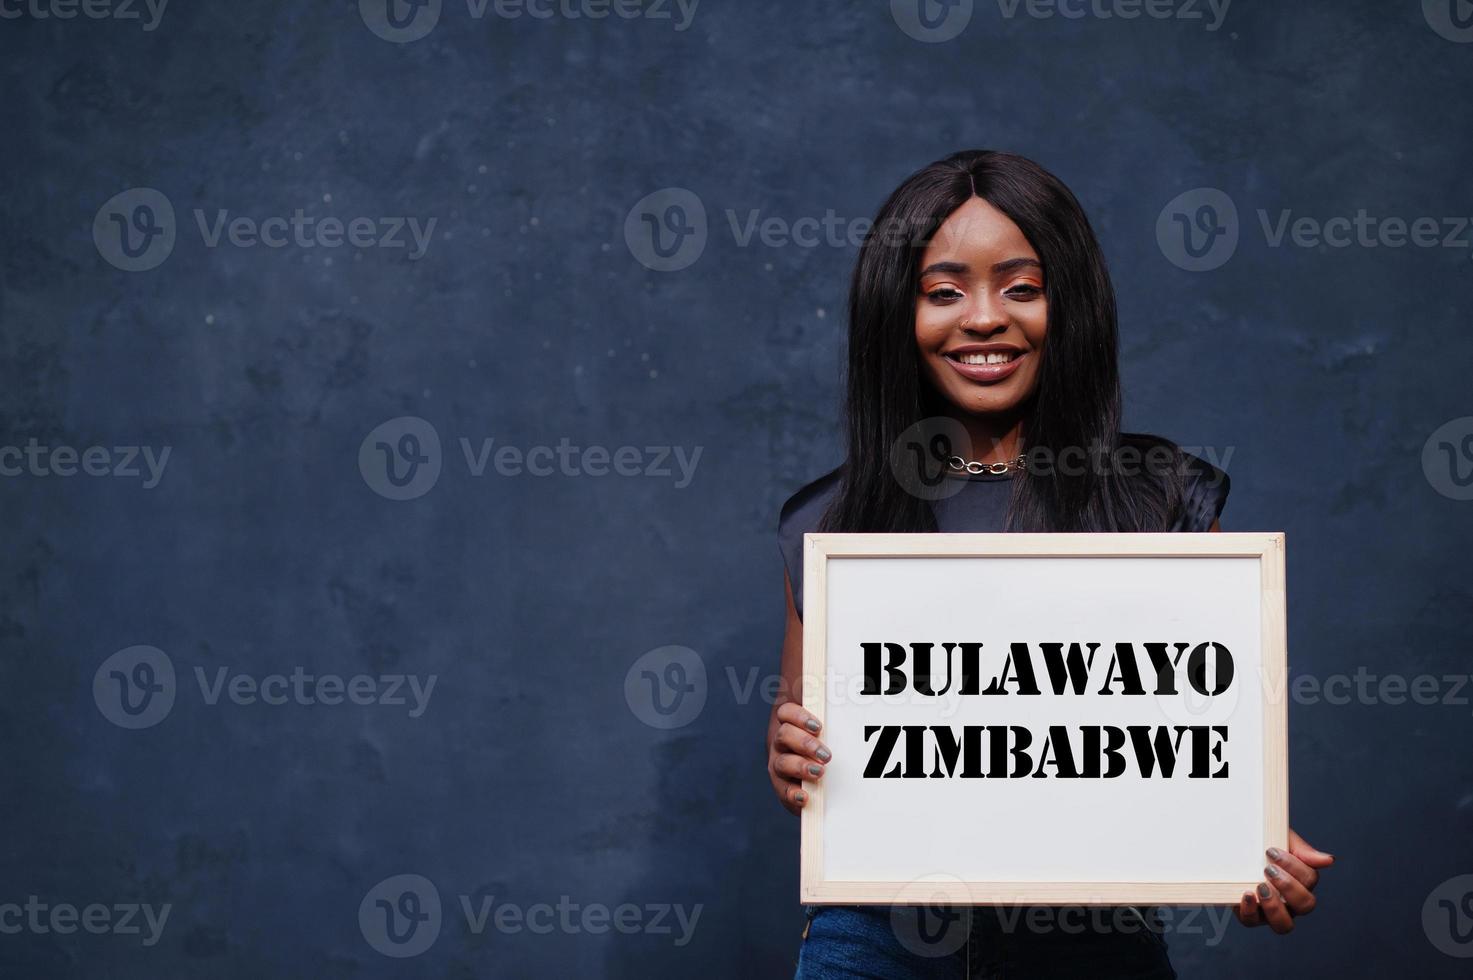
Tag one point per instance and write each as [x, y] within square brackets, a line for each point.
[1041, 943]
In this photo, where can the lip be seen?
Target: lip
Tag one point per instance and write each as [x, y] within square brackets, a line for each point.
[985, 373]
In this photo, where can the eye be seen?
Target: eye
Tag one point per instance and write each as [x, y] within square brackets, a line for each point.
[1023, 291]
[944, 294]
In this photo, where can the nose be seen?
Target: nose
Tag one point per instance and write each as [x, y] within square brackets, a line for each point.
[985, 317]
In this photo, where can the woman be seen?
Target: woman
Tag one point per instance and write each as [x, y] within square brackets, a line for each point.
[983, 395]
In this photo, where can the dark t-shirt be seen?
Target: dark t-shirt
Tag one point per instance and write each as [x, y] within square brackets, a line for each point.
[980, 505]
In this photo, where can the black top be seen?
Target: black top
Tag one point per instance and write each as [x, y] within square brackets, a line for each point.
[980, 505]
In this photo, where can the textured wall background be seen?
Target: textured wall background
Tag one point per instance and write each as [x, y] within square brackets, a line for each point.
[1330, 375]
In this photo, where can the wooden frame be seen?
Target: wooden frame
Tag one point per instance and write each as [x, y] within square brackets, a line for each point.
[1266, 548]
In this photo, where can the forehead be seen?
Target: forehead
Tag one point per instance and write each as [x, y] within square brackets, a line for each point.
[975, 232]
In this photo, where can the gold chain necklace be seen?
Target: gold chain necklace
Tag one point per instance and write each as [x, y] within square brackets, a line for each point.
[959, 465]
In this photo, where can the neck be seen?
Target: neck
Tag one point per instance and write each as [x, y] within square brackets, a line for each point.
[995, 438]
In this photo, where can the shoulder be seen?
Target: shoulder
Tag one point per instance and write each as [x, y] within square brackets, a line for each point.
[803, 511]
[1203, 487]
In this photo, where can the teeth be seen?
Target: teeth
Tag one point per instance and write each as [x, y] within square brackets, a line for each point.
[989, 357]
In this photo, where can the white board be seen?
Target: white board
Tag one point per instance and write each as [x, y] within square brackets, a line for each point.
[999, 837]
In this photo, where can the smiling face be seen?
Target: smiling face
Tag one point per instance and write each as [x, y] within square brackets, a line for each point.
[980, 312]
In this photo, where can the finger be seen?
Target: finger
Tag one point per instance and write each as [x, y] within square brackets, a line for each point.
[797, 767]
[791, 738]
[793, 713]
[1247, 911]
[790, 794]
[1274, 912]
[1298, 898]
[1308, 853]
[1302, 872]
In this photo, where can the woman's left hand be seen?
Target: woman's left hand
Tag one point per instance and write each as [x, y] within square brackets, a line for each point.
[1288, 887]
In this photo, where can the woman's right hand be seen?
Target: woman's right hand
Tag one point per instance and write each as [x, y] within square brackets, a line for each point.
[795, 754]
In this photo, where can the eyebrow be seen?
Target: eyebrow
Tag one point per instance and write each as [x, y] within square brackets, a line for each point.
[961, 268]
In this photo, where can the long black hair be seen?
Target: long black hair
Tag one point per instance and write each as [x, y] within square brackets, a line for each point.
[1077, 403]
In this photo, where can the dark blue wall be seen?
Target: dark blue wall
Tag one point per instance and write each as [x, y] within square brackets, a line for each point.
[532, 317]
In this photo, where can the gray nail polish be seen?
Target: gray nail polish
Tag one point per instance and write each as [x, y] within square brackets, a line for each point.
[1263, 892]
[824, 755]
[815, 770]
[1272, 871]
[1274, 853]
[800, 797]
[811, 724]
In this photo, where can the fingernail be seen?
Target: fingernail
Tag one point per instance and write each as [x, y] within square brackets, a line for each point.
[812, 724]
[1272, 871]
[801, 797]
[815, 770]
[824, 755]
[1274, 853]
[1263, 892]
